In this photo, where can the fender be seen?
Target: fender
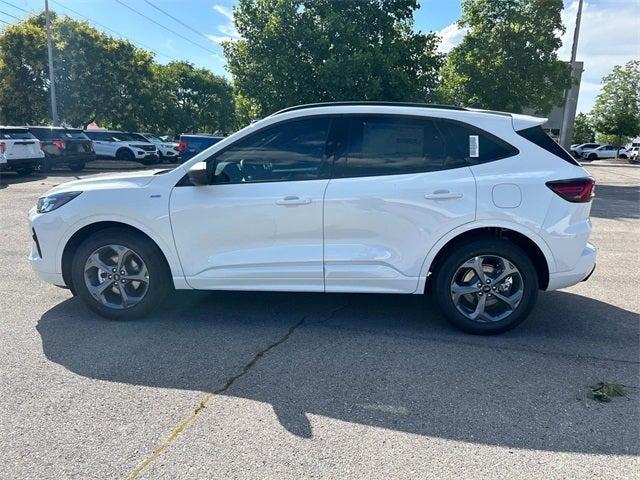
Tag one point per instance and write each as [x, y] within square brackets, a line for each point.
[435, 249]
[167, 248]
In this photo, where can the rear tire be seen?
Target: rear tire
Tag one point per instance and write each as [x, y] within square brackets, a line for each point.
[502, 304]
[141, 297]
[623, 156]
[24, 171]
[77, 167]
[47, 165]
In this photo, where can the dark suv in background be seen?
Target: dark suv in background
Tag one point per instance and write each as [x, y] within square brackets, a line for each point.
[192, 144]
[64, 147]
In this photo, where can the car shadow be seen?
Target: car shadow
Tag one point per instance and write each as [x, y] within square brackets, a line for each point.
[616, 202]
[386, 361]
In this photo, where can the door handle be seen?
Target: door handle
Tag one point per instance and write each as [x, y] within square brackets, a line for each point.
[443, 195]
[293, 200]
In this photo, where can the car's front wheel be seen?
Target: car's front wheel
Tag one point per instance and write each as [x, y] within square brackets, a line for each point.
[593, 156]
[120, 274]
[486, 286]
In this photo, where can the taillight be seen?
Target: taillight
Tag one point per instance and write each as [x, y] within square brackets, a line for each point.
[3, 147]
[182, 146]
[577, 190]
[59, 144]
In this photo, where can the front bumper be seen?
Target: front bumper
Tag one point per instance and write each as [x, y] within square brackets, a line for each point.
[582, 271]
[44, 230]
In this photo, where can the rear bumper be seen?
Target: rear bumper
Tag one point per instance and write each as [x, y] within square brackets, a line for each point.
[11, 163]
[582, 271]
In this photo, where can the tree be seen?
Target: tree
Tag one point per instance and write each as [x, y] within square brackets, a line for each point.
[303, 51]
[583, 131]
[508, 58]
[616, 112]
[191, 99]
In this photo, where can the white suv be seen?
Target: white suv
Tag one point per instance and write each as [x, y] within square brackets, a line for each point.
[481, 208]
[122, 146]
[166, 150]
[605, 151]
[20, 151]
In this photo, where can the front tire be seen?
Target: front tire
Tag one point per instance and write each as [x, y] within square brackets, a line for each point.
[120, 274]
[486, 286]
[593, 156]
[126, 155]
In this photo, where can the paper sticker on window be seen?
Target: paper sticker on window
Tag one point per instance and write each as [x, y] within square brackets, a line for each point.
[474, 146]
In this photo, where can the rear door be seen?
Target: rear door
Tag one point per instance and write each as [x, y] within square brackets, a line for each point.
[396, 188]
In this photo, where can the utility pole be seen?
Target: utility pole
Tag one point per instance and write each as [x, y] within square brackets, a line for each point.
[52, 89]
[568, 114]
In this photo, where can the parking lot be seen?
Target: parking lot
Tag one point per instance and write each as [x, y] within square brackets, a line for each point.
[266, 385]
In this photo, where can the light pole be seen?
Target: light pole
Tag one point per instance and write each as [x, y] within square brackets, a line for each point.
[52, 88]
[568, 112]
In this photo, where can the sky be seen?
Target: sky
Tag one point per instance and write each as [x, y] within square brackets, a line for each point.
[609, 34]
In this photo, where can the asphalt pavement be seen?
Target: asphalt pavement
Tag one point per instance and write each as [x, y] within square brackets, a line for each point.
[288, 385]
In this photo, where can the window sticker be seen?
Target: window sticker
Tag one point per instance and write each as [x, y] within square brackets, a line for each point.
[474, 146]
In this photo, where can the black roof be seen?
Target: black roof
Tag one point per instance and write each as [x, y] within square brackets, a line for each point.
[370, 103]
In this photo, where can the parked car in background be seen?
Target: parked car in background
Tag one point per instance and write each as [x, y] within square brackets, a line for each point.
[167, 151]
[605, 151]
[344, 197]
[63, 147]
[634, 155]
[171, 138]
[576, 150]
[192, 144]
[122, 146]
[19, 150]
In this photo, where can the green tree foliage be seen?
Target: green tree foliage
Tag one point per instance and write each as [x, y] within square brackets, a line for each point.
[616, 113]
[508, 58]
[103, 79]
[302, 51]
[583, 131]
[192, 99]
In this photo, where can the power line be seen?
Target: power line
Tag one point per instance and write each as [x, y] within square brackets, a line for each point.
[176, 19]
[15, 6]
[112, 30]
[9, 15]
[6, 23]
[162, 26]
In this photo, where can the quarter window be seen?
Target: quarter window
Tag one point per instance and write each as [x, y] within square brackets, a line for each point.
[289, 151]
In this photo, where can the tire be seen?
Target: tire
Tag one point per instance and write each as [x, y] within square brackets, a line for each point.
[623, 156]
[24, 171]
[592, 156]
[152, 292]
[126, 155]
[77, 167]
[46, 165]
[497, 318]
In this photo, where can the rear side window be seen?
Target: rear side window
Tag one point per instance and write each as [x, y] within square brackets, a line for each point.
[45, 133]
[15, 134]
[75, 134]
[388, 145]
[538, 136]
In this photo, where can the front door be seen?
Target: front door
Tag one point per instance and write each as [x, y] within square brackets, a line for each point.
[258, 225]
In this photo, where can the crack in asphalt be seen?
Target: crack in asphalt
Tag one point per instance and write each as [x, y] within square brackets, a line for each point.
[182, 426]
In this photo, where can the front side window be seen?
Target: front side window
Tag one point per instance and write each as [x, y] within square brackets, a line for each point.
[290, 151]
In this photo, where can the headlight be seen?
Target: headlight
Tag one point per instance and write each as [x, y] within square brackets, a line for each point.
[52, 202]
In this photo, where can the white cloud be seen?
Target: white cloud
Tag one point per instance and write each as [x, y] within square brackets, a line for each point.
[228, 29]
[451, 36]
[609, 36]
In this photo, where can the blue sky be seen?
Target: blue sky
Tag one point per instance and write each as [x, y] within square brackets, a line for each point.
[610, 29]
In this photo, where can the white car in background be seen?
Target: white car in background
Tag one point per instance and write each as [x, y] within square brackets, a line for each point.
[576, 150]
[605, 151]
[634, 155]
[480, 209]
[167, 150]
[20, 150]
[122, 146]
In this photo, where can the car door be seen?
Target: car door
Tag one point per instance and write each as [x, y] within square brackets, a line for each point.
[258, 224]
[396, 188]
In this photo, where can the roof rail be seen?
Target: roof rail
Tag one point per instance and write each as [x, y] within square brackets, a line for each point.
[371, 103]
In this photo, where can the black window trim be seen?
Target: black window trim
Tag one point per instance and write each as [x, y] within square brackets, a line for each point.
[331, 156]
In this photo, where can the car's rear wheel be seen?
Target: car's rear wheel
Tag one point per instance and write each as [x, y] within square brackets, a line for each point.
[24, 171]
[623, 156]
[486, 286]
[77, 167]
[120, 274]
[46, 165]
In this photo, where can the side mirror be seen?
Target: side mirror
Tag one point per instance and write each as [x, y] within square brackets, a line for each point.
[198, 174]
